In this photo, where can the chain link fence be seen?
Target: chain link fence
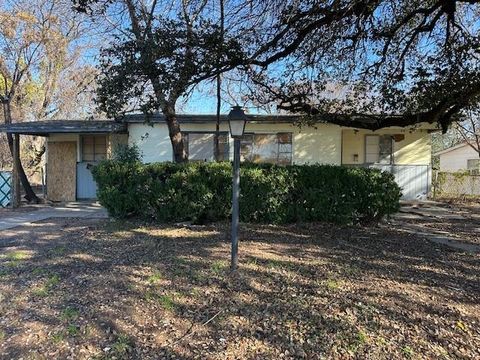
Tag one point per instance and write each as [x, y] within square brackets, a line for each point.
[456, 184]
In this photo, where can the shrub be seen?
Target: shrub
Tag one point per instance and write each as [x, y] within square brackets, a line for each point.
[127, 153]
[201, 192]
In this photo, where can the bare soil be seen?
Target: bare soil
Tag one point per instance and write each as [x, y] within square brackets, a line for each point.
[90, 289]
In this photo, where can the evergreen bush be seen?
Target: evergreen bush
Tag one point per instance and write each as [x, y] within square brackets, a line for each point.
[201, 192]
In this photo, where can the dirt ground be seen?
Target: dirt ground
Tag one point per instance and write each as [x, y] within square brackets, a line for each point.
[90, 289]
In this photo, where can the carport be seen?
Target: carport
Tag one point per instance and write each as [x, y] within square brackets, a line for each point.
[72, 148]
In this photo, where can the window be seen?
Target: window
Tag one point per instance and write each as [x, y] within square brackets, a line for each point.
[267, 148]
[473, 164]
[378, 149]
[201, 146]
[94, 147]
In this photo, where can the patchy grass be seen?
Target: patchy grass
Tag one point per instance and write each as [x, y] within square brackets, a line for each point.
[52, 281]
[38, 271]
[69, 314]
[72, 330]
[40, 291]
[59, 250]
[219, 267]
[333, 284]
[301, 292]
[43, 290]
[121, 346]
[408, 352]
[17, 256]
[58, 337]
[167, 302]
[14, 258]
[155, 278]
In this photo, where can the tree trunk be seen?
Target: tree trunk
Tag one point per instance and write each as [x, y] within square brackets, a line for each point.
[219, 88]
[217, 123]
[29, 193]
[176, 138]
[38, 156]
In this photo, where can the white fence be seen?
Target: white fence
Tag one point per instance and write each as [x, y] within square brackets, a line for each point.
[415, 180]
[456, 184]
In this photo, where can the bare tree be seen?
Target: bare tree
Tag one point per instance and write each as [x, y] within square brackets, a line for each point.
[42, 72]
[469, 129]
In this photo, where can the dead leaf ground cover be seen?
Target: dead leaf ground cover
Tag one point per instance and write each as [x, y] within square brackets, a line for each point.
[89, 289]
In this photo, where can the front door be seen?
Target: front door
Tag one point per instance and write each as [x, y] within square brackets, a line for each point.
[86, 186]
[93, 149]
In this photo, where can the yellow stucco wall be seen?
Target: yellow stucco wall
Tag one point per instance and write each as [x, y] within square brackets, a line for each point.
[415, 149]
[310, 145]
[325, 144]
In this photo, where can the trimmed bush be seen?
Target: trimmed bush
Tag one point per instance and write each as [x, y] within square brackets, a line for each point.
[201, 192]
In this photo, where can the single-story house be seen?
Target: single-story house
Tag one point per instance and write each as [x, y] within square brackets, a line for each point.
[72, 146]
[460, 157]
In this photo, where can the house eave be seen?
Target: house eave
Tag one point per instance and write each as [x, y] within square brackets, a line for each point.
[44, 128]
[207, 118]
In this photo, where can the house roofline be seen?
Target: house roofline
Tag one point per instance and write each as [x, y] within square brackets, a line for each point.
[43, 128]
[452, 148]
[208, 118]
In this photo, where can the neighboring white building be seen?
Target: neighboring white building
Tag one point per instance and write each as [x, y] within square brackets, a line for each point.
[459, 157]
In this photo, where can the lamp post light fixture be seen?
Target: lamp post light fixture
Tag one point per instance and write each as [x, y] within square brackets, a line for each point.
[236, 121]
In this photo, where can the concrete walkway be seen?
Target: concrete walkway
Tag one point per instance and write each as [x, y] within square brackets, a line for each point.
[87, 210]
[435, 211]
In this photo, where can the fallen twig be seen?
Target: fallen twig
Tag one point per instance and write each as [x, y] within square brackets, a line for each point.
[190, 332]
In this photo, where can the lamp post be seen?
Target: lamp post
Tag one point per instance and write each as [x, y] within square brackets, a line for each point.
[236, 121]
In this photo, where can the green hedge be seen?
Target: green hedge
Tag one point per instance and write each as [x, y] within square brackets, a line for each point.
[273, 194]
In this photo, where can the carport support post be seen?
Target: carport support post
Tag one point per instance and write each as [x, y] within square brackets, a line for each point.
[15, 172]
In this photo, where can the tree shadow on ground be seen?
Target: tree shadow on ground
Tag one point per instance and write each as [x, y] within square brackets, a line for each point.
[109, 289]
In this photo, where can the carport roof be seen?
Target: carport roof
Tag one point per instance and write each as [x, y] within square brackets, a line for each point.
[64, 126]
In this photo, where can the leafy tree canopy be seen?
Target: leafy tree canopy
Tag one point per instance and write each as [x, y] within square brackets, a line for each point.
[368, 64]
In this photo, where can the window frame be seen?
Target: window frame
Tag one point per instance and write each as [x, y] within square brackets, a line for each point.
[278, 152]
[476, 162]
[94, 137]
[378, 162]
[186, 142]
